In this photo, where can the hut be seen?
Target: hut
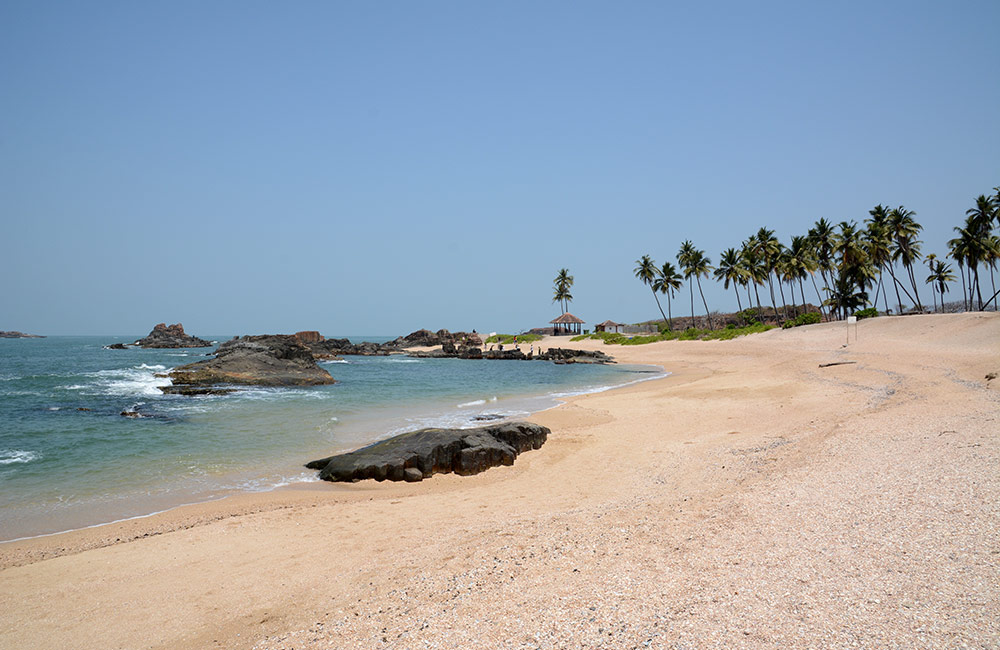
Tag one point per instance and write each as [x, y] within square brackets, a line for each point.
[566, 324]
[610, 326]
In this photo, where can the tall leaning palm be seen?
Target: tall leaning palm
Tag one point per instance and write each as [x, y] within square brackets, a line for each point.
[696, 264]
[647, 272]
[668, 282]
[731, 270]
[906, 247]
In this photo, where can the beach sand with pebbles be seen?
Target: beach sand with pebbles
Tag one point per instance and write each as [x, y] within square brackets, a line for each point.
[752, 499]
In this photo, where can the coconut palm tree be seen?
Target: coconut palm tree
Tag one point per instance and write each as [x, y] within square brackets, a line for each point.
[939, 278]
[854, 269]
[930, 267]
[731, 270]
[822, 235]
[799, 263]
[684, 257]
[562, 283]
[754, 269]
[647, 272]
[878, 246]
[906, 247]
[668, 281]
[696, 264]
[770, 250]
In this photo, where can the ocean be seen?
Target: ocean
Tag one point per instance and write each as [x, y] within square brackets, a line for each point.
[69, 459]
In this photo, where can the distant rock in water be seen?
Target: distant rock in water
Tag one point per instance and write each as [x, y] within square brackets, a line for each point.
[19, 335]
[172, 336]
[432, 451]
[266, 360]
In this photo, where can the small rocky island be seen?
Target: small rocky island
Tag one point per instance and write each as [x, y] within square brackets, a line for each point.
[264, 360]
[19, 335]
[165, 336]
[417, 455]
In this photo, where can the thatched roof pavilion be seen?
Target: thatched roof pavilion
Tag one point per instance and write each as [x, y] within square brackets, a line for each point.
[566, 324]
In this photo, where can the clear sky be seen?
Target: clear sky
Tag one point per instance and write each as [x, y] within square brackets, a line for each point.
[377, 167]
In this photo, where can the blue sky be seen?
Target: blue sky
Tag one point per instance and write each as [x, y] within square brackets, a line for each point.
[244, 167]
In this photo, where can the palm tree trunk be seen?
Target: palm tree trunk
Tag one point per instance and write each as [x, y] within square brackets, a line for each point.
[895, 284]
[774, 304]
[657, 299]
[961, 274]
[819, 297]
[736, 290]
[691, 286]
[670, 315]
[913, 281]
[979, 293]
[710, 325]
[760, 311]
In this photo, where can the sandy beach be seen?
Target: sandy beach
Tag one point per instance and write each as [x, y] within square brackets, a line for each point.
[752, 499]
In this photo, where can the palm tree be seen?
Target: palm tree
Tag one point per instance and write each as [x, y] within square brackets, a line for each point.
[668, 282]
[562, 283]
[939, 278]
[754, 269]
[770, 250]
[694, 263]
[684, 257]
[731, 270]
[822, 235]
[648, 273]
[979, 222]
[930, 267]
[906, 247]
[878, 246]
[799, 263]
[854, 269]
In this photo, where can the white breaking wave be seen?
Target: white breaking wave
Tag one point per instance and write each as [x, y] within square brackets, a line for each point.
[140, 380]
[478, 402]
[11, 456]
[335, 361]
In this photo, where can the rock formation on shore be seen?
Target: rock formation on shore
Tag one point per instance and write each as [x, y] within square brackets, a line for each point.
[19, 335]
[266, 360]
[169, 336]
[417, 455]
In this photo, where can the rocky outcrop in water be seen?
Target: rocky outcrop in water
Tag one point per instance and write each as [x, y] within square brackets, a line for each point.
[419, 454]
[427, 338]
[170, 336]
[265, 360]
[19, 335]
[567, 355]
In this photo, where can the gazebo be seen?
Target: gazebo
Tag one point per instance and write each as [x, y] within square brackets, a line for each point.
[609, 326]
[566, 324]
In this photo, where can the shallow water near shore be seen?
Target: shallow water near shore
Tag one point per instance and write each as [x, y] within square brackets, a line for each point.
[69, 459]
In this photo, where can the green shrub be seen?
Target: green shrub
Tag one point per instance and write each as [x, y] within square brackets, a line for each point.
[507, 339]
[871, 312]
[751, 316]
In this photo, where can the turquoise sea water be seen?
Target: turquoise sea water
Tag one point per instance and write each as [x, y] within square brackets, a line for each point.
[69, 459]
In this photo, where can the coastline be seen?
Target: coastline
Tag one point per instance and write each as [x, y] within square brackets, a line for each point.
[647, 502]
[443, 415]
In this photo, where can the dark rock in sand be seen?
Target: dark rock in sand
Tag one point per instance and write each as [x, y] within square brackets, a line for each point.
[266, 360]
[431, 451]
[172, 336]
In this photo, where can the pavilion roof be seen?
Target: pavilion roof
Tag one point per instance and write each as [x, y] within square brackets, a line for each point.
[610, 323]
[565, 319]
